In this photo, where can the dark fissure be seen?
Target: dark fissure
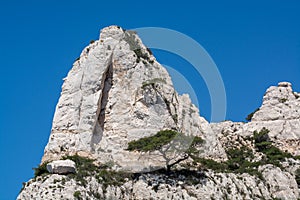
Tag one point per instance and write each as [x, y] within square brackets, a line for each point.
[99, 126]
[104, 97]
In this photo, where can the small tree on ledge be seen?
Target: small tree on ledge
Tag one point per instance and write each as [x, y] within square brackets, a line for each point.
[173, 146]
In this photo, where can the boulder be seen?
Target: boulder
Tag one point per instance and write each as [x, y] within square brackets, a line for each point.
[61, 167]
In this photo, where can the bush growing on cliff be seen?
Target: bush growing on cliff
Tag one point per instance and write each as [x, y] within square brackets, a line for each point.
[263, 144]
[82, 163]
[41, 170]
[116, 178]
[77, 195]
[86, 167]
[239, 161]
[173, 146]
[152, 143]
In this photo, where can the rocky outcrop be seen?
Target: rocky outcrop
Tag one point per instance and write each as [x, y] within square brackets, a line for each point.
[279, 113]
[61, 167]
[207, 185]
[116, 92]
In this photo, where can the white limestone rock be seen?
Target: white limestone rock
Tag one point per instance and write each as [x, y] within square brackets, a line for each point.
[279, 103]
[279, 113]
[282, 185]
[115, 93]
[61, 167]
[276, 184]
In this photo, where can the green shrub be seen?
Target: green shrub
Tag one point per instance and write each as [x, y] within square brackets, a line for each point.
[239, 161]
[212, 164]
[275, 155]
[177, 146]
[77, 195]
[116, 178]
[262, 140]
[41, 170]
[261, 136]
[297, 157]
[263, 144]
[84, 166]
[152, 143]
[82, 162]
[192, 150]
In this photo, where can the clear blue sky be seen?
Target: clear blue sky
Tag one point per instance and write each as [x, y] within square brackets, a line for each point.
[255, 44]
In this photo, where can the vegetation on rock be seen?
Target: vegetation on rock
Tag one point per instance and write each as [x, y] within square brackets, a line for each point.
[116, 178]
[105, 176]
[84, 166]
[41, 170]
[273, 155]
[174, 146]
[152, 143]
[240, 160]
[77, 195]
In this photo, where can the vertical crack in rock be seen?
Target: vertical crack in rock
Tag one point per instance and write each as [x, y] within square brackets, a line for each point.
[168, 105]
[105, 88]
[81, 99]
[104, 97]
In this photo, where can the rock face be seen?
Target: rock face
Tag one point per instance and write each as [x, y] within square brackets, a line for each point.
[279, 113]
[277, 184]
[61, 167]
[116, 93]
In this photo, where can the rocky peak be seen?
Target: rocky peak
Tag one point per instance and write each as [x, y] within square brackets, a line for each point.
[279, 103]
[279, 114]
[117, 92]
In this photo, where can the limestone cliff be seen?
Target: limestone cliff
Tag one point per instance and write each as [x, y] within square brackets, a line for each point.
[116, 93]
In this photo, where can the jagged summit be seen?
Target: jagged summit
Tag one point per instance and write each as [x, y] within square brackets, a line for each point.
[117, 92]
[279, 113]
[117, 95]
[279, 103]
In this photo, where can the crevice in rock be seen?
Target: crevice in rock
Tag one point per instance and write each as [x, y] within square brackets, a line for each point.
[107, 84]
[168, 105]
[105, 88]
[81, 98]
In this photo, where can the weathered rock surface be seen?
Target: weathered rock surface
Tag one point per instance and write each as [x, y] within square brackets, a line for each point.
[277, 184]
[61, 167]
[279, 113]
[117, 92]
